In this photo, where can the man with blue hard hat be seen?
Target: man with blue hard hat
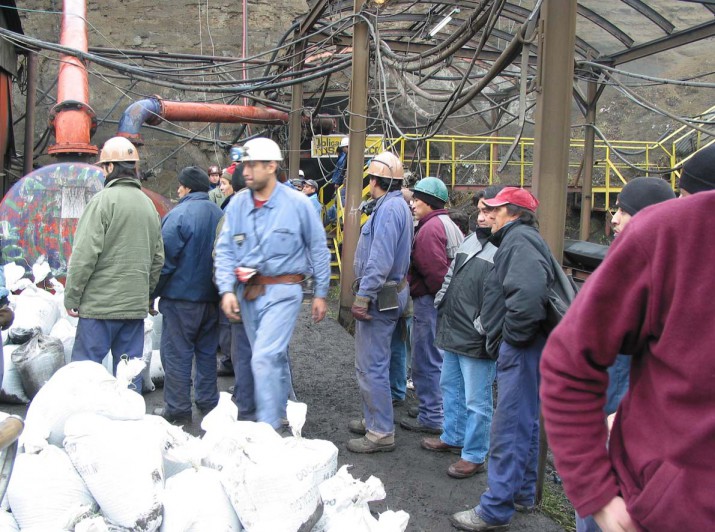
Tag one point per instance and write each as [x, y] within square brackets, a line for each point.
[271, 239]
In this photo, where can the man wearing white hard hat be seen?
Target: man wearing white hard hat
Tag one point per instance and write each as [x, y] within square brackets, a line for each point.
[270, 242]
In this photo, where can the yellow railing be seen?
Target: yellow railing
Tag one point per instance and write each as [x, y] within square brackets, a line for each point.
[466, 162]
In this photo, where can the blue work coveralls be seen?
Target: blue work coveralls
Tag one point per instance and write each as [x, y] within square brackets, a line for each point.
[282, 237]
[383, 254]
[189, 304]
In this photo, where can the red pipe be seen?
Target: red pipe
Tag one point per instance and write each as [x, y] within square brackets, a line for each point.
[72, 118]
[217, 112]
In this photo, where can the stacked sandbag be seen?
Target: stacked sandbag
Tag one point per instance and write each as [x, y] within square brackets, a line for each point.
[180, 450]
[270, 482]
[65, 331]
[195, 501]
[12, 391]
[46, 492]
[346, 506]
[37, 361]
[8, 523]
[121, 463]
[80, 387]
[35, 308]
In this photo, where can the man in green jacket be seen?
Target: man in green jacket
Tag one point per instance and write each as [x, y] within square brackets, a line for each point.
[117, 256]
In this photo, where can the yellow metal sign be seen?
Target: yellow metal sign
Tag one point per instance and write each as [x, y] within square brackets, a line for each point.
[327, 145]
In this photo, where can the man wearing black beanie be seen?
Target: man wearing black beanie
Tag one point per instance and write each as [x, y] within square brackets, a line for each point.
[189, 300]
[698, 173]
[638, 194]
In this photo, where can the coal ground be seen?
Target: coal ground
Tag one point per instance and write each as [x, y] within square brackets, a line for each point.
[415, 480]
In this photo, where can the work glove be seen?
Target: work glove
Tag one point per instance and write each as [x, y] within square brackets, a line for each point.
[359, 308]
[6, 314]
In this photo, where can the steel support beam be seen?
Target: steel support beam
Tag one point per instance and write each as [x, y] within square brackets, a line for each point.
[557, 36]
[296, 111]
[674, 40]
[592, 94]
[30, 103]
[356, 160]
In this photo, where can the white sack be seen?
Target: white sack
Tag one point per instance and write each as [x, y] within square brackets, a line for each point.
[345, 506]
[147, 384]
[121, 463]
[65, 332]
[34, 307]
[79, 387]
[37, 361]
[158, 322]
[12, 391]
[195, 501]
[156, 370]
[8, 523]
[13, 273]
[45, 491]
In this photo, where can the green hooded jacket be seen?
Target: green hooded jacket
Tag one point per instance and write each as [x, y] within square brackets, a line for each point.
[117, 254]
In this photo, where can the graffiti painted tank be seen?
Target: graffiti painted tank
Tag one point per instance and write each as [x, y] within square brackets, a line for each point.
[39, 215]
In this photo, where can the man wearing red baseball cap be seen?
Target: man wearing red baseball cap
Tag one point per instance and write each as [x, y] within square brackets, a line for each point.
[515, 295]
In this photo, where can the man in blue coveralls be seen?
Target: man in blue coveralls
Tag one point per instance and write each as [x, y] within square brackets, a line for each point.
[189, 299]
[271, 238]
[381, 262]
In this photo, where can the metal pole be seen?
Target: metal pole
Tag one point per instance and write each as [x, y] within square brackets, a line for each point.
[30, 103]
[294, 121]
[356, 161]
[557, 34]
[588, 158]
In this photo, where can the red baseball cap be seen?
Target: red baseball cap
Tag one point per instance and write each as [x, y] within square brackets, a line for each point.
[516, 196]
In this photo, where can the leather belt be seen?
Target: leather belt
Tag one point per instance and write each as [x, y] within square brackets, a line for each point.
[291, 278]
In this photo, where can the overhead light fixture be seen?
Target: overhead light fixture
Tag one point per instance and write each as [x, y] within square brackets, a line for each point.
[442, 23]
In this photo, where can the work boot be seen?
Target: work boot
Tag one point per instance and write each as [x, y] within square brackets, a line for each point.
[366, 445]
[415, 426]
[173, 418]
[525, 508]
[469, 520]
[464, 469]
[357, 426]
[413, 411]
[438, 446]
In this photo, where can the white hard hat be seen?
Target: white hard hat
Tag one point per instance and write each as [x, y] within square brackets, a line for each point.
[344, 142]
[301, 173]
[261, 149]
[118, 149]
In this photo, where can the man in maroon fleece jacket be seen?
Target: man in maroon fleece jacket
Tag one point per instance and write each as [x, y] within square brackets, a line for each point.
[651, 298]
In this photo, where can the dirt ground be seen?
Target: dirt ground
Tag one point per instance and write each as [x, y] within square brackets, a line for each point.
[415, 480]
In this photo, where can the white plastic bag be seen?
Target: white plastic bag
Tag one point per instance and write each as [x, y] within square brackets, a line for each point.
[345, 506]
[37, 361]
[80, 387]
[45, 491]
[12, 391]
[195, 501]
[121, 463]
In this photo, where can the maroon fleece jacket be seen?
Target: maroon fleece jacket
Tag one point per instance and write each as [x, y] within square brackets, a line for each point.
[429, 262]
[653, 297]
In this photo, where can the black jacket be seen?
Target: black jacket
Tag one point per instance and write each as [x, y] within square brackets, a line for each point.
[517, 289]
[459, 302]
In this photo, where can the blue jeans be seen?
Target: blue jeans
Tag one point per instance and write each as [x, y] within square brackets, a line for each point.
[468, 404]
[95, 338]
[243, 393]
[188, 334]
[269, 321]
[511, 475]
[426, 362]
[398, 359]
[372, 366]
[618, 375]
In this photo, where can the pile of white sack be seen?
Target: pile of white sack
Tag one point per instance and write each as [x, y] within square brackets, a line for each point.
[41, 338]
[91, 460]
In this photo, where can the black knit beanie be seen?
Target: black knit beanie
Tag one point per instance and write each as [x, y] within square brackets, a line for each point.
[641, 192]
[698, 173]
[195, 178]
[433, 202]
